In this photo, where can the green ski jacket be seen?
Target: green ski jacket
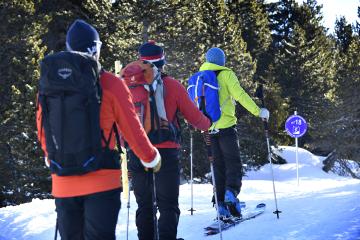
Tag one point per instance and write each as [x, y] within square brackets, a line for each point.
[229, 91]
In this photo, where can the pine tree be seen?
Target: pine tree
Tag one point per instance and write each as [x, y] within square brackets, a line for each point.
[348, 125]
[342, 126]
[357, 24]
[344, 34]
[281, 17]
[253, 20]
[252, 16]
[34, 29]
[21, 51]
[304, 64]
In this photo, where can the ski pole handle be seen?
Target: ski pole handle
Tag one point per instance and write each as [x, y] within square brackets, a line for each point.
[206, 134]
[208, 146]
[260, 94]
[266, 126]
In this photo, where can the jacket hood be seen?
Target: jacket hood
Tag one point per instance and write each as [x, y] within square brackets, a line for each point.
[212, 66]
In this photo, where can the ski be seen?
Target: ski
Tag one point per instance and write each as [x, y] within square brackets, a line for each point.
[246, 215]
[215, 224]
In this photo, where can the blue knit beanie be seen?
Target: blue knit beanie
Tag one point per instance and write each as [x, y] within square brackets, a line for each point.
[83, 37]
[153, 53]
[215, 55]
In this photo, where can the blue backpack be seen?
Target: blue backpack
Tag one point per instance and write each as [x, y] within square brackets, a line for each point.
[205, 84]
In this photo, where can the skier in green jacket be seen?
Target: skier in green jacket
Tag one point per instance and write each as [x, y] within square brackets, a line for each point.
[227, 162]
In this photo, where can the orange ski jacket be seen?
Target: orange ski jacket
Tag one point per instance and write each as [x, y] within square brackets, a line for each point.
[116, 106]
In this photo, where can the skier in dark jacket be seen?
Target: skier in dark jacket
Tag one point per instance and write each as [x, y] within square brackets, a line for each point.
[167, 180]
[227, 162]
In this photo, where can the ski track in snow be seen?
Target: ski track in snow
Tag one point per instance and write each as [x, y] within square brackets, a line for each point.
[323, 207]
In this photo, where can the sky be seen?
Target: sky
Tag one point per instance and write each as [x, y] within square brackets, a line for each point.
[333, 9]
[323, 206]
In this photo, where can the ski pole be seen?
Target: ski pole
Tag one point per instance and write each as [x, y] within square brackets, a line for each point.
[56, 229]
[260, 95]
[211, 160]
[126, 183]
[124, 155]
[191, 171]
[128, 215]
[156, 224]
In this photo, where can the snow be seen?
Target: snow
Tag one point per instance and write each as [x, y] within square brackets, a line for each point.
[323, 207]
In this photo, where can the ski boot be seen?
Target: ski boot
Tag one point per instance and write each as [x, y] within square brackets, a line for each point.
[232, 203]
[224, 213]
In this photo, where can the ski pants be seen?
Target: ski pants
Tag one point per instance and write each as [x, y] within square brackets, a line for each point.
[89, 217]
[167, 182]
[227, 162]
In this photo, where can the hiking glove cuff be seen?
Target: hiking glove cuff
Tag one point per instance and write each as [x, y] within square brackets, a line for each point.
[155, 163]
[264, 113]
[47, 161]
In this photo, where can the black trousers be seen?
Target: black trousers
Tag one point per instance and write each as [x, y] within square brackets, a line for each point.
[167, 182]
[227, 162]
[90, 217]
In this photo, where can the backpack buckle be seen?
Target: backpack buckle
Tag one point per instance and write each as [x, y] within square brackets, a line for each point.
[214, 131]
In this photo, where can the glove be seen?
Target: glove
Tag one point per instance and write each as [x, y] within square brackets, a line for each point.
[157, 167]
[156, 161]
[264, 114]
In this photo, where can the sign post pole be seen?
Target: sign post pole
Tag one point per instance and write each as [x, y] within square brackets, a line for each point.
[297, 157]
[296, 127]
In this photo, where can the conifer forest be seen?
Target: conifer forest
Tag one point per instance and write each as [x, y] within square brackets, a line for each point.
[281, 45]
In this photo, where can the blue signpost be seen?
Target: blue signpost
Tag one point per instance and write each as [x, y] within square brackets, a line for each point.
[296, 127]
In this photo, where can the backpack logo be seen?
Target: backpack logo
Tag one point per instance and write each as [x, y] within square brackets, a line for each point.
[64, 73]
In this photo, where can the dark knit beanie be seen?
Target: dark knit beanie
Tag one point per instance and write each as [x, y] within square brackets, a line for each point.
[153, 53]
[83, 37]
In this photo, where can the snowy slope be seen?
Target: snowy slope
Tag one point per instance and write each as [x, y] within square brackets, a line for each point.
[323, 207]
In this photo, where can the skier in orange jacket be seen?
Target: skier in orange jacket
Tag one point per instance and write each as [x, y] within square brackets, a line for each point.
[87, 205]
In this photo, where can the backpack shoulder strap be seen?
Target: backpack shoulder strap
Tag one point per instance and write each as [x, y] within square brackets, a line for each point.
[45, 119]
[117, 137]
[217, 72]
